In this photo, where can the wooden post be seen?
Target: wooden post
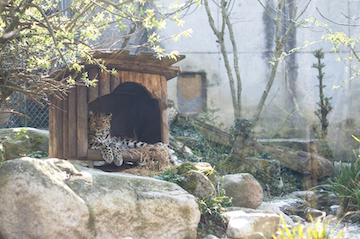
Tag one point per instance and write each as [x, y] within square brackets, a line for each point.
[125, 76]
[52, 129]
[164, 127]
[65, 129]
[72, 127]
[82, 121]
[115, 81]
[93, 90]
[55, 128]
[104, 83]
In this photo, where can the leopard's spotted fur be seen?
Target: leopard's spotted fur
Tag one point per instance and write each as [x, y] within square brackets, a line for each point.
[110, 146]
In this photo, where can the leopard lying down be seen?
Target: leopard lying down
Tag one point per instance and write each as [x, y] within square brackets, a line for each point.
[109, 145]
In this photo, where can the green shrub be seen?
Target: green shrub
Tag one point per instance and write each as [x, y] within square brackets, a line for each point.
[38, 154]
[171, 175]
[345, 185]
[212, 219]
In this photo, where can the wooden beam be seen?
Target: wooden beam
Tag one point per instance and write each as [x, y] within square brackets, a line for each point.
[144, 67]
[128, 155]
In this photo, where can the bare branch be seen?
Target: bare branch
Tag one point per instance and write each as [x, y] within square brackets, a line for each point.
[267, 10]
[337, 23]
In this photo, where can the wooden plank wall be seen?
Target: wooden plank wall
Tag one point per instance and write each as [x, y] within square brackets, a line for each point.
[68, 125]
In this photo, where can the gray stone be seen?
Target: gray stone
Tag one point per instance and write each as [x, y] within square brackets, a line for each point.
[309, 196]
[211, 237]
[326, 199]
[20, 142]
[272, 207]
[251, 224]
[297, 218]
[334, 209]
[244, 190]
[198, 184]
[54, 199]
[291, 205]
[180, 148]
[314, 213]
[4, 117]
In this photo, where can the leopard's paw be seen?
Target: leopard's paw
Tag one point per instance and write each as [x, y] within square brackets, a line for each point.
[107, 155]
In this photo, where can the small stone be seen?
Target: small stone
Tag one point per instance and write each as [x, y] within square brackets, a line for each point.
[314, 213]
[297, 218]
[331, 219]
[251, 224]
[211, 237]
[334, 208]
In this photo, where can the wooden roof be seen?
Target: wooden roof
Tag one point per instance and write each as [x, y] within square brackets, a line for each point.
[144, 62]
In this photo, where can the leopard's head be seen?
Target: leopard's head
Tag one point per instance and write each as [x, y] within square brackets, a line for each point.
[99, 122]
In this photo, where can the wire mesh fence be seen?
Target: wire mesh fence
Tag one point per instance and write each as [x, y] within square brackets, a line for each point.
[39, 117]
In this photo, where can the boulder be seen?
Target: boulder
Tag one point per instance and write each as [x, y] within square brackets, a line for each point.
[20, 142]
[244, 190]
[251, 224]
[197, 184]
[53, 198]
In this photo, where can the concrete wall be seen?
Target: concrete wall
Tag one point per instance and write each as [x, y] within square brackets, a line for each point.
[294, 90]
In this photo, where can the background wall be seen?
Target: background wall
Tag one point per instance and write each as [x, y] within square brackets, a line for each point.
[294, 90]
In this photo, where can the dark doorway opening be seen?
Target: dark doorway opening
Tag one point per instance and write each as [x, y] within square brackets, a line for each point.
[136, 115]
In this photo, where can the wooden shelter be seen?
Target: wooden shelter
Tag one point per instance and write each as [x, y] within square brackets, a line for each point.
[136, 96]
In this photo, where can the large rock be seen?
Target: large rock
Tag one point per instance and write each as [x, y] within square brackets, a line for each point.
[54, 199]
[244, 190]
[251, 224]
[20, 142]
